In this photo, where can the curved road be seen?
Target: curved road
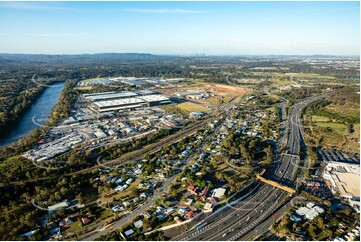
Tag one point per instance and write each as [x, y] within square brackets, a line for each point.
[242, 221]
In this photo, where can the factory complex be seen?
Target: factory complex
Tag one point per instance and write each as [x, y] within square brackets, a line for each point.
[112, 101]
[102, 131]
[129, 81]
[104, 118]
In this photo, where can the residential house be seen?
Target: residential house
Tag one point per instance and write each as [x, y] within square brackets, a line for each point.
[192, 189]
[85, 220]
[219, 192]
[190, 214]
[138, 224]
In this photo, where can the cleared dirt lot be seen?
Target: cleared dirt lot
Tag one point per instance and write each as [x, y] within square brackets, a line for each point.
[216, 89]
[222, 94]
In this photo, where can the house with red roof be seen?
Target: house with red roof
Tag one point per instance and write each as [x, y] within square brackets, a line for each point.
[190, 214]
[192, 189]
[85, 220]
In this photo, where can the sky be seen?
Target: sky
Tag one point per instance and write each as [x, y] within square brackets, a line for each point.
[181, 28]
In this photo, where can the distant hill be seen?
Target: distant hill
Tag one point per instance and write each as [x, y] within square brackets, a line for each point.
[101, 58]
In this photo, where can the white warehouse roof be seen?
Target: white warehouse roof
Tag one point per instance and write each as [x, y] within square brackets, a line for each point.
[152, 98]
[120, 95]
[119, 102]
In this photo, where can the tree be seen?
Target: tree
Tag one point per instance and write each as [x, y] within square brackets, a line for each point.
[312, 230]
[319, 222]
[134, 192]
[80, 198]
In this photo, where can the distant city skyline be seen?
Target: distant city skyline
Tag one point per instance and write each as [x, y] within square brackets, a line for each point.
[181, 28]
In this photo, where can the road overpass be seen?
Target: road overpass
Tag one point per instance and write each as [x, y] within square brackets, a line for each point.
[238, 222]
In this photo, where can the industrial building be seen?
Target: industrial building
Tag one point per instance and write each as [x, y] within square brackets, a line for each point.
[109, 96]
[130, 103]
[146, 92]
[344, 178]
[195, 94]
[112, 101]
[97, 93]
[155, 100]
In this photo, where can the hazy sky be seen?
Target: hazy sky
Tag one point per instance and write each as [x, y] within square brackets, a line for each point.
[180, 27]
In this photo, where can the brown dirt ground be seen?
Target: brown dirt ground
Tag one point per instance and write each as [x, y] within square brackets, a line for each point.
[216, 89]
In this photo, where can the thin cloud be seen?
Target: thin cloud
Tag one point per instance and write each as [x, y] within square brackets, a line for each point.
[57, 34]
[162, 10]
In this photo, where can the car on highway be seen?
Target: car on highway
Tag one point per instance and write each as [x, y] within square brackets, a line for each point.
[224, 235]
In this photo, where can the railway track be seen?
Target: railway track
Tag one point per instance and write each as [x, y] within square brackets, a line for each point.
[240, 229]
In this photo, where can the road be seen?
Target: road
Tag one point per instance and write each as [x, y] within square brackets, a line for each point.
[135, 155]
[161, 191]
[130, 216]
[257, 211]
[150, 202]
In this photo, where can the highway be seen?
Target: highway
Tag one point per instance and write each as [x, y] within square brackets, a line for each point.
[240, 221]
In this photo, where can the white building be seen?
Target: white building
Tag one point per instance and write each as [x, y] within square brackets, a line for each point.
[219, 192]
[130, 103]
[138, 224]
[344, 178]
[310, 212]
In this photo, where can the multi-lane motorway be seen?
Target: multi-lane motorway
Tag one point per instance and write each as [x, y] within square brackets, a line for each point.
[239, 220]
[242, 220]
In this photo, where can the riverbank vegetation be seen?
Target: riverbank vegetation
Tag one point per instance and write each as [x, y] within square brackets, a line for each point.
[58, 113]
[16, 96]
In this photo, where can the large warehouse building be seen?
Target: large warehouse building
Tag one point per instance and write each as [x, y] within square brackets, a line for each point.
[130, 103]
[344, 178]
[96, 97]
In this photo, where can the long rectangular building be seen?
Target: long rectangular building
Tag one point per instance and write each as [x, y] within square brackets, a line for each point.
[130, 103]
[155, 100]
[112, 105]
[110, 96]
[97, 94]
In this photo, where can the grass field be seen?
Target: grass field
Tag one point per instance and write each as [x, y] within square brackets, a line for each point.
[309, 75]
[274, 109]
[172, 108]
[337, 127]
[345, 110]
[185, 108]
[191, 107]
[84, 88]
[329, 139]
[339, 137]
[316, 118]
[213, 100]
[278, 82]
[274, 97]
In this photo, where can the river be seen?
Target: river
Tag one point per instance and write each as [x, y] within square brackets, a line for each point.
[36, 115]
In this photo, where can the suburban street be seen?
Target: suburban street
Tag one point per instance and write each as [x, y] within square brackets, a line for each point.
[189, 121]
[160, 191]
[238, 221]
